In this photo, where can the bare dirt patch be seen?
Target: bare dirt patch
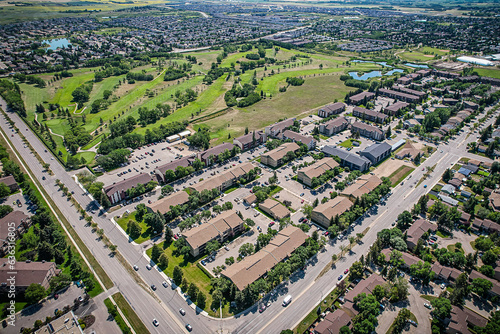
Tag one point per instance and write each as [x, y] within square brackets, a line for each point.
[389, 167]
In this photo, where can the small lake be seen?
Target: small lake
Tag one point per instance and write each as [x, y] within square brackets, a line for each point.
[382, 63]
[373, 74]
[416, 65]
[57, 43]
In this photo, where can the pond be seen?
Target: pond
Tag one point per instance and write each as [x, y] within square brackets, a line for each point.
[373, 74]
[416, 65]
[57, 43]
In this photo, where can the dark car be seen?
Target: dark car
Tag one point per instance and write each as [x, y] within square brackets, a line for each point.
[340, 277]
[153, 287]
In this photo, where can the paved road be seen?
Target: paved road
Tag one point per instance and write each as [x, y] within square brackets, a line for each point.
[305, 290]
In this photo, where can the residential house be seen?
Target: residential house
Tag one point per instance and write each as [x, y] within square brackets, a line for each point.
[221, 228]
[471, 105]
[464, 218]
[448, 189]
[455, 182]
[250, 140]
[368, 131]
[395, 107]
[408, 259]
[376, 152]
[25, 274]
[309, 141]
[409, 151]
[495, 290]
[363, 185]
[306, 174]
[325, 212]
[334, 126]
[10, 182]
[12, 226]
[365, 286]
[275, 157]
[332, 322]
[210, 156]
[361, 98]
[450, 101]
[494, 199]
[448, 200]
[275, 209]
[118, 190]
[417, 230]
[164, 205]
[225, 179]
[399, 95]
[162, 169]
[276, 130]
[347, 159]
[406, 90]
[331, 109]
[253, 267]
[370, 115]
[250, 199]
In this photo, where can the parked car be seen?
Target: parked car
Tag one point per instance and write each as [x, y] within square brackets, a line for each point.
[429, 306]
[181, 311]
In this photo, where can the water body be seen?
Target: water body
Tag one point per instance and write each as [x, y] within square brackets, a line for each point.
[416, 65]
[382, 63]
[57, 43]
[373, 74]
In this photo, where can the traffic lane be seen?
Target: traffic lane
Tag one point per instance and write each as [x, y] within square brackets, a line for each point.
[98, 251]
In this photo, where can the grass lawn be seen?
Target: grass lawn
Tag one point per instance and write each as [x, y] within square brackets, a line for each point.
[230, 190]
[488, 72]
[400, 174]
[146, 231]
[428, 297]
[129, 313]
[4, 313]
[192, 273]
[348, 143]
[295, 102]
[88, 156]
[453, 249]
[118, 318]
[442, 234]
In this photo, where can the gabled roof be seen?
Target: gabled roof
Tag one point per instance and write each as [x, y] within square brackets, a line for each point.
[346, 156]
[297, 137]
[377, 149]
[163, 205]
[216, 150]
[202, 234]
[363, 185]
[319, 167]
[333, 207]
[126, 184]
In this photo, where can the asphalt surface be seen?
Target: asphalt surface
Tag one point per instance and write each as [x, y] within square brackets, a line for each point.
[307, 290]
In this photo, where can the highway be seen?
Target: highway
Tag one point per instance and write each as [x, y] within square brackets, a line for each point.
[164, 304]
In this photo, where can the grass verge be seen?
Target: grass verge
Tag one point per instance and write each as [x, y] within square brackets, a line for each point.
[400, 174]
[129, 313]
[118, 318]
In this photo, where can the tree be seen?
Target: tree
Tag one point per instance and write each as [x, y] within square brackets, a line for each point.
[404, 220]
[448, 175]
[246, 249]
[134, 230]
[487, 271]
[4, 190]
[177, 275]
[201, 300]
[155, 253]
[388, 133]
[379, 292]
[481, 286]
[441, 308]
[212, 246]
[356, 270]
[345, 329]
[163, 260]
[34, 293]
[192, 291]
[489, 257]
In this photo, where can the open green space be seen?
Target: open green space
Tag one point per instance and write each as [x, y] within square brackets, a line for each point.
[192, 272]
[488, 72]
[118, 318]
[348, 143]
[400, 174]
[146, 231]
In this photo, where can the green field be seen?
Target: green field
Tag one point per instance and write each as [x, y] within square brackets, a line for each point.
[488, 72]
[146, 231]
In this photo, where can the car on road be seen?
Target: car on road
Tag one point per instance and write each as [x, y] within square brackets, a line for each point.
[136, 268]
[153, 287]
[189, 328]
[429, 306]
[156, 323]
[181, 311]
[340, 277]
[148, 267]
[301, 194]
[165, 284]
[425, 186]
[43, 177]
[56, 296]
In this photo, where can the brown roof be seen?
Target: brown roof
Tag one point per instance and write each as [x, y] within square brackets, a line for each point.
[367, 127]
[297, 137]
[27, 273]
[408, 150]
[332, 323]
[278, 210]
[16, 217]
[163, 205]
[202, 234]
[407, 257]
[248, 138]
[254, 266]
[184, 162]
[230, 174]
[417, 230]
[128, 183]
[280, 151]
[458, 322]
[363, 185]
[359, 97]
[370, 113]
[8, 180]
[319, 167]
[250, 199]
[397, 106]
[364, 286]
[336, 122]
[216, 150]
[336, 206]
